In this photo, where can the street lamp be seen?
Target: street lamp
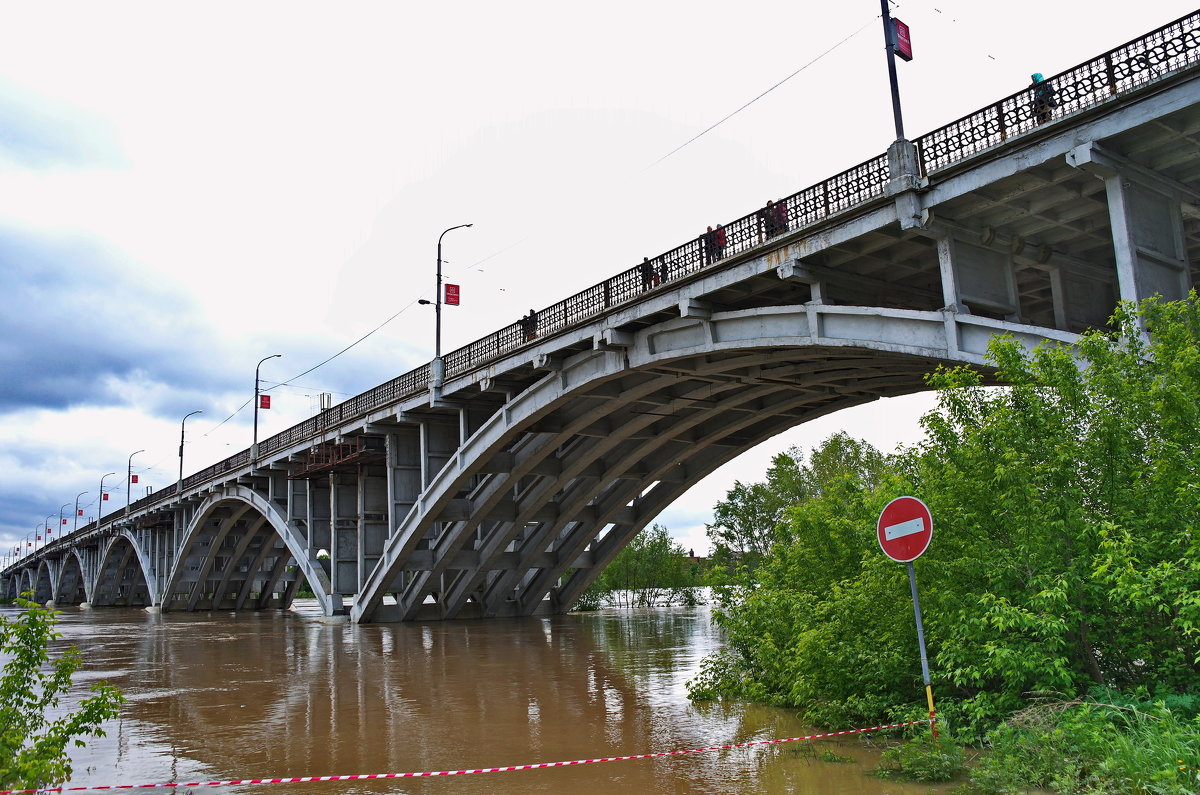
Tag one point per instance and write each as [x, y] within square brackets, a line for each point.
[254, 446]
[61, 520]
[129, 479]
[77, 496]
[182, 426]
[439, 369]
[100, 500]
[889, 34]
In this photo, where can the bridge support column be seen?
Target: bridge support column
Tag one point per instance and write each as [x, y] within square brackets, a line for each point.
[345, 549]
[1144, 210]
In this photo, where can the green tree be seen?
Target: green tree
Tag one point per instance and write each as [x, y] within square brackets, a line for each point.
[651, 570]
[794, 624]
[1064, 557]
[744, 522]
[32, 745]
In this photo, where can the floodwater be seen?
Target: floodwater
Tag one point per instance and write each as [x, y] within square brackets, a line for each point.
[220, 696]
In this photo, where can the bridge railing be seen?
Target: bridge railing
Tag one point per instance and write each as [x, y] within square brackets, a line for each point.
[1128, 67]
[1172, 47]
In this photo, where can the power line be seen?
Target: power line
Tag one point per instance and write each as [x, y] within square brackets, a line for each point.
[763, 94]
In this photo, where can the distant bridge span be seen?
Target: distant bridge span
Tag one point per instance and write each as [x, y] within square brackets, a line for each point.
[500, 480]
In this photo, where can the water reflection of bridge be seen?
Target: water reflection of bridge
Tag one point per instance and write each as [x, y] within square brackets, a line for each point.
[499, 480]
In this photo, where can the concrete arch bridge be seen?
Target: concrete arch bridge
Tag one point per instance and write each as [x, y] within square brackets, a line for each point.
[500, 479]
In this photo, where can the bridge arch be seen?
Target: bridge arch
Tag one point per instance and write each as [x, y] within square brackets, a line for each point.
[124, 577]
[542, 496]
[236, 552]
[72, 586]
[44, 581]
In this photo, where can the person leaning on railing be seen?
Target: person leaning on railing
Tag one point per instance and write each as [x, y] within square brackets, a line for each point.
[1043, 98]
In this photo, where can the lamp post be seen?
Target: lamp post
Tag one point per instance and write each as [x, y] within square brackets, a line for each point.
[889, 42]
[100, 500]
[129, 479]
[254, 445]
[182, 426]
[77, 496]
[439, 369]
[61, 520]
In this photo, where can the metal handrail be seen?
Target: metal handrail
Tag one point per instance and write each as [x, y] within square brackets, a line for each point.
[1131, 66]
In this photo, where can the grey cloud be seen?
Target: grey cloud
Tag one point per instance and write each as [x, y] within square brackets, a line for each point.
[70, 320]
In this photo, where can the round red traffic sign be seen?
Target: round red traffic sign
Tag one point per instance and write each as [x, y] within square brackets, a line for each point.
[905, 529]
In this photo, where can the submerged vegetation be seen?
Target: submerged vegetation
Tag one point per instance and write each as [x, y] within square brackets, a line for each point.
[652, 570]
[1064, 560]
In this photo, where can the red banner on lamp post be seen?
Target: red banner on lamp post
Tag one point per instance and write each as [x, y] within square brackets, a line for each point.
[452, 294]
[902, 43]
[264, 401]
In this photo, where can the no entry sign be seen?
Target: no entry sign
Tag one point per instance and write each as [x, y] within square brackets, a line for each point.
[905, 529]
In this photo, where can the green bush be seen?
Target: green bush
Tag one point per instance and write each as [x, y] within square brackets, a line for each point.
[1093, 747]
[923, 759]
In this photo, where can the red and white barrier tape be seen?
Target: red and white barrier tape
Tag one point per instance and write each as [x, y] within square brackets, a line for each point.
[362, 776]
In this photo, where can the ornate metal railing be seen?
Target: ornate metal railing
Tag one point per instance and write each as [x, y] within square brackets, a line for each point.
[1129, 67]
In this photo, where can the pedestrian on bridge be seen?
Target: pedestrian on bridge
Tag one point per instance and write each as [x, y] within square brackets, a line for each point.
[713, 243]
[1043, 98]
[773, 219]
[647, 272]
[781, 222]
[529, 325]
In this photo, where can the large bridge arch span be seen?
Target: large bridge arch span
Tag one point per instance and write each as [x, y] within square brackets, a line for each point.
[72, 587]
[236, 553]
[124, 575]
[569, 470]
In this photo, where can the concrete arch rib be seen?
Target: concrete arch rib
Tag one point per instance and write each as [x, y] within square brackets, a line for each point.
[124, 576]
[200, 548]
[572, 467]
[44, 581]
[72, 586]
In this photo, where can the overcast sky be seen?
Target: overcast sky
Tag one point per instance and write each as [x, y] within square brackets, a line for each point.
[187, 188]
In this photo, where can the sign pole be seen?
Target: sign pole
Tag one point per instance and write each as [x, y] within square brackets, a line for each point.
[912, 582]
[904, 530]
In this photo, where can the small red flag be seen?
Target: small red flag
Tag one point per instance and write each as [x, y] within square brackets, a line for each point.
[133, 479]
[64, 521]
[452, 294]
[104, 496]
[38, 538]
[28, 543]
[79, 512]
[264, 401]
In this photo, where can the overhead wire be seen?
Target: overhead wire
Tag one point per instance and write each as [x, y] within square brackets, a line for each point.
[729, 116]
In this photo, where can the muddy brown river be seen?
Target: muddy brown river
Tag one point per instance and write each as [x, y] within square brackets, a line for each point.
[220, 696]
